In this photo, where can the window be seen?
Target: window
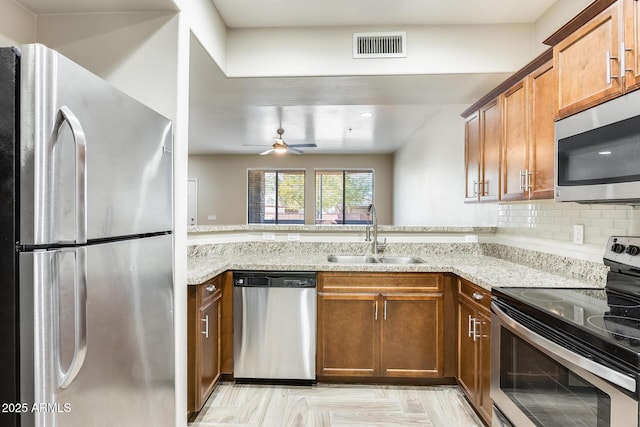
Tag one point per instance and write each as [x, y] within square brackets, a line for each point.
[343, 196]
[276, 197]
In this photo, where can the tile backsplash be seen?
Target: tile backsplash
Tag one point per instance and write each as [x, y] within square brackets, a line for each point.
[555, 221]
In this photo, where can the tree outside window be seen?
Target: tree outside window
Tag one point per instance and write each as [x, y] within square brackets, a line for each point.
[276, 197]
[343, 196]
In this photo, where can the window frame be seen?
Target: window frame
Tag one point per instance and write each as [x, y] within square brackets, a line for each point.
[302, 171]
[344, 171]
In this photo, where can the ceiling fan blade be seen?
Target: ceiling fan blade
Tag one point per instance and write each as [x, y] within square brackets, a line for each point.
[256, 145]
[303, 145]
[293, 150]
[266, 152]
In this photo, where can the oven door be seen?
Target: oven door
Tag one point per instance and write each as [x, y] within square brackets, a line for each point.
[536, 382]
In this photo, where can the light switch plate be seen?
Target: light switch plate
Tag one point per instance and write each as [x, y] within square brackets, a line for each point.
[578, 234]
[269, 236]
[212, 217]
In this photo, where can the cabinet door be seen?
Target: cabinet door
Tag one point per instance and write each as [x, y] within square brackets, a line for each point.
[472, 157]
[541, 132]
[515, 142]
[484, 363]
[467, 360]
[490, 156]
[348, 335]
[412, 340]
[631, 16]
[587, 64]
[209, 355]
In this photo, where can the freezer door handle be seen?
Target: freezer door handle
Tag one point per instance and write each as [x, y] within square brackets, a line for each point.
[65, 378]
[66, 115]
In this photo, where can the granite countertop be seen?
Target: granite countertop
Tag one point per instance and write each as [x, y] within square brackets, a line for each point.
[329, 228]
[485, 271]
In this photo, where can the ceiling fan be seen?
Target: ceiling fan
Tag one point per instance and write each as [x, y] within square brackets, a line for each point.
[281, 147]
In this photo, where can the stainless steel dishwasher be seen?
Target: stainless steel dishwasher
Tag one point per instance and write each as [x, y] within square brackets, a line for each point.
[274, 326]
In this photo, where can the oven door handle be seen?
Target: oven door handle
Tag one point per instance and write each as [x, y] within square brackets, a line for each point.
[568, 356]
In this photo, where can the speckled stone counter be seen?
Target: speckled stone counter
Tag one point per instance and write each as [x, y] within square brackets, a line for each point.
[485, 271]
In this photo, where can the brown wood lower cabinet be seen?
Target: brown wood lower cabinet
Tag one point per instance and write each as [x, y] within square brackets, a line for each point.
[380, 325]
[474, 346]
[204, 335]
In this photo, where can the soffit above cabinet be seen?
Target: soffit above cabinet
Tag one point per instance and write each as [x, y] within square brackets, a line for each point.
[312, 13]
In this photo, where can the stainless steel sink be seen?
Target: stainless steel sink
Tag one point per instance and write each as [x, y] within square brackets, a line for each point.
[370, 259]
[352, 259]
[400, 260]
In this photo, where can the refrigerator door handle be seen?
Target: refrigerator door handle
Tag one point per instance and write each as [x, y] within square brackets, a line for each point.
[65, 378]
[66, 115]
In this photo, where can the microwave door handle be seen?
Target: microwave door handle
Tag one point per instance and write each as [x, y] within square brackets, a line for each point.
[567, 356]
[66, 115]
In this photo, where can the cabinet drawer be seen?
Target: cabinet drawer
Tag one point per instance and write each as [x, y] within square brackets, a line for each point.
[208, 289]
[380, 282]
[474, 293]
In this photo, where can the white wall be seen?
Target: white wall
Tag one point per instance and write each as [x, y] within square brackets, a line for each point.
[434, 49]
[554, 18]
[136, 52]
[222, 182]
[429, 175]
[17, 24]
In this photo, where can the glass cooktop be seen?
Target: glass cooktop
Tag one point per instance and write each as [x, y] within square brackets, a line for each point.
[599, 318]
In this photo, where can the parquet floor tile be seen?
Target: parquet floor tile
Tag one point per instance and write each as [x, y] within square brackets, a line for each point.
[333, 405]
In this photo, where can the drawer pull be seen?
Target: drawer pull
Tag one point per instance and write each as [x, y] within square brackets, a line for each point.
[211, 288]
[206, 326]
[477, 296]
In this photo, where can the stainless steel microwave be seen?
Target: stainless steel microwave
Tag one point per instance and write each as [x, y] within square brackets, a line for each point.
[598, 153]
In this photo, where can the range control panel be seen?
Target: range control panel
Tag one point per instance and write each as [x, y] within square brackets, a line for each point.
[623, 250]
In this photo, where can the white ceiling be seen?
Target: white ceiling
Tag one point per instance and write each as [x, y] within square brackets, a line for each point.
[226, 114]
[91, 6]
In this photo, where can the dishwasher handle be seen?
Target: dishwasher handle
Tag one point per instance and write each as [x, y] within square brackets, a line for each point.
[274, 281]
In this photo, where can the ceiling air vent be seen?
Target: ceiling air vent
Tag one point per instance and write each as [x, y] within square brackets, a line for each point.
[380, 45]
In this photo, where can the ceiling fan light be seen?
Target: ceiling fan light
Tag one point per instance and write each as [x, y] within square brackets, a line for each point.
[279, 149]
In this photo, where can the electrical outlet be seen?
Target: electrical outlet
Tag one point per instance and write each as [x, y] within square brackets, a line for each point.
[269, 237]
[293, 237]
[578, 234]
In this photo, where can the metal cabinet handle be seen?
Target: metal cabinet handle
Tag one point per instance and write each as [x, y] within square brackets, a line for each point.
[608, 67]
[476, 188]
[385, 309]
[522, 178]
[623, 59]
[471, 319]
[527, 182]
[375, 314]
[206, 326]
[476, 335]
[485, 186]
[477, 296]
[211, 288]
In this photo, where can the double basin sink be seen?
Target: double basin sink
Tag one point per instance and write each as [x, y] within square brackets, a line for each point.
[370, 259]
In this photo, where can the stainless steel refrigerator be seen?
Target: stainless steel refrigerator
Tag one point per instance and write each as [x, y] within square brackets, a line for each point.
[86, 281]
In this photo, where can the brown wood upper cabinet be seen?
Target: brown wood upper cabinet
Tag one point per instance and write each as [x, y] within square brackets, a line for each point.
[597, 61]
[528, 137]
[482, 153]
[380, 325]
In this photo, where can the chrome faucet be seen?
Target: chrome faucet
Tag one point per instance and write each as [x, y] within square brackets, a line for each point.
[373, 223]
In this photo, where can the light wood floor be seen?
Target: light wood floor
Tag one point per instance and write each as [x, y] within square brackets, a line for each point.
[336, 406]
